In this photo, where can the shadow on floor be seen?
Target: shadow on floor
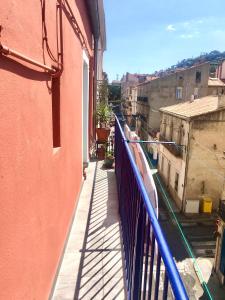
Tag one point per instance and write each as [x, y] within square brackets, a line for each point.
[100, 273]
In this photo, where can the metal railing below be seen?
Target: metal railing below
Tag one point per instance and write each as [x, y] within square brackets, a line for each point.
[151, 272]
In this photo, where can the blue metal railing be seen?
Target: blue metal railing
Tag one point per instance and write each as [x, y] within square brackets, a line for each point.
[147, 256]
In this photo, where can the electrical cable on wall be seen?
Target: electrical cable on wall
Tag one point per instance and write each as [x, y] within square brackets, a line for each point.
[45, 33]
[45, 43]
[54, 71]
[70, 15]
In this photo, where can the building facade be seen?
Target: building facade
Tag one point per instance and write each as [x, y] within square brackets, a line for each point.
[196, 167]
[47, 77]
[129, 81]
[183, 85]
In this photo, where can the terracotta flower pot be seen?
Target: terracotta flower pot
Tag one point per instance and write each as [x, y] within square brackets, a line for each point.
[102, 134]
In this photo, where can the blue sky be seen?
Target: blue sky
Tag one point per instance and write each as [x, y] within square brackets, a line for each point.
[148, 35]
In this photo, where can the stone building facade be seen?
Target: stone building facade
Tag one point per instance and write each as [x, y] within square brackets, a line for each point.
[192, 83]
[197, 168]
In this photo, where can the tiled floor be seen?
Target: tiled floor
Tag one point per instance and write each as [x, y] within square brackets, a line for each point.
[92, 264]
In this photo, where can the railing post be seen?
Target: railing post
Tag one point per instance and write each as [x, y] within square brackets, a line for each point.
[139, 250]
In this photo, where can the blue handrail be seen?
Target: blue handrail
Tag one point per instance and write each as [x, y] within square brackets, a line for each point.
[143, 240]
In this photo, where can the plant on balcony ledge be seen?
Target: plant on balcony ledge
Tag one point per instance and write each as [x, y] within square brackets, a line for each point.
[103, 112]
[103, 117]
[109, 160]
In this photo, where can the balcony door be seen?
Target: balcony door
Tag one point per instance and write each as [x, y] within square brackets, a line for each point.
[85, 109]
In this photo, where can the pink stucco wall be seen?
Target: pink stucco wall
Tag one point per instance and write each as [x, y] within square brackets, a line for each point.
[39, 184]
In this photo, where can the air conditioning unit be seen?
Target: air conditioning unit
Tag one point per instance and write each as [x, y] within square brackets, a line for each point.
[192, 206]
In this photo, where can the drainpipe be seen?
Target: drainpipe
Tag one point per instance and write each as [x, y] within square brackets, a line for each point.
[60, 54]
[95, 84]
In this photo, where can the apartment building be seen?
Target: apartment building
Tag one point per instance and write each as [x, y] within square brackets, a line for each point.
[195, 169]
[51, 57]
[183, 85]
[128, 81]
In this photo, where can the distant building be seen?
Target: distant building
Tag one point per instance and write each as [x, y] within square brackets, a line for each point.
[183, 85]
[197, 168]
[116, 83]
[129, 81]
[129, 84]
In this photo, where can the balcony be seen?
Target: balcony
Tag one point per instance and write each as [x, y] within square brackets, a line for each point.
[116, 248]
[142, 99]
[92, 265]
[174, 149]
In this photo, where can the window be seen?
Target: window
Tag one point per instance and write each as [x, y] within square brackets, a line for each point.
[142, 99]
[162, 163]
[195, 93]
[179, 91]
[198, 77]
[170, 129]
[176, 182]
[163, 128]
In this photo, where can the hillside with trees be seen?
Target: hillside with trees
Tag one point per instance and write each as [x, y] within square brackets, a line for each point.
[213, 56]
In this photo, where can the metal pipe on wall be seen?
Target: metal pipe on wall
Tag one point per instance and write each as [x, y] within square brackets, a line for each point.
[10, 52]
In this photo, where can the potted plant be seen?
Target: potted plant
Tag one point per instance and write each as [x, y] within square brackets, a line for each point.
[103, 116]
[109, 160]
[101, 152]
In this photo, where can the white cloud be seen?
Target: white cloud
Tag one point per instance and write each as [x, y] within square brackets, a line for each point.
[185, 24]
[190, 35]
[187, 27]
[186, 36]
[170, 28]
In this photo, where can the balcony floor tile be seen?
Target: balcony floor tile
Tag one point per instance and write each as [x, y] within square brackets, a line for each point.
[92, 266]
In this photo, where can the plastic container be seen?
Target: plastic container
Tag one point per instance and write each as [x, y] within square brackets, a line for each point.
[207, 205]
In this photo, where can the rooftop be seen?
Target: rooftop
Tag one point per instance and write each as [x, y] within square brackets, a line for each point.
[190, 109]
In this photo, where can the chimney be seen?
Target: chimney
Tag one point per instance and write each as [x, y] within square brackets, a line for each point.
[221, 101]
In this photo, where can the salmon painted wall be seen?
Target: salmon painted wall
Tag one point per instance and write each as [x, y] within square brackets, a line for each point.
[39, 184]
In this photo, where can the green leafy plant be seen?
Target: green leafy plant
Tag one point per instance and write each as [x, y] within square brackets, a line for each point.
[109, 160]
[103, 114]
[109, 154]
[103, 92]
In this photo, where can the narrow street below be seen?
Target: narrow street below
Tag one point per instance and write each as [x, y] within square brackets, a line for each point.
[199, 233]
